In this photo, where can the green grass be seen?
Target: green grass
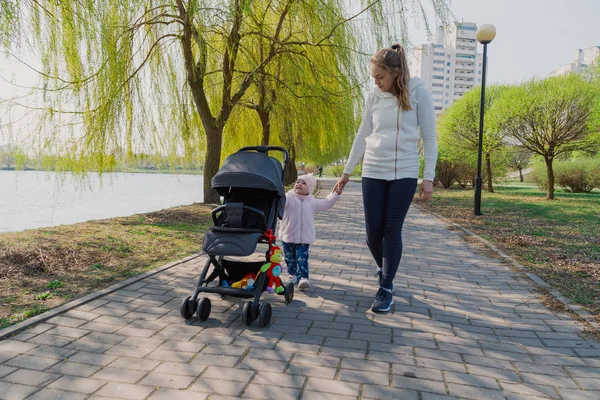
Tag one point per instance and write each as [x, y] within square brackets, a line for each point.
[557, 239]
[43, 268]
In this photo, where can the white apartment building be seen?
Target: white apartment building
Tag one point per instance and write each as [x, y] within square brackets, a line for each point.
[450, 66]
[583, 59]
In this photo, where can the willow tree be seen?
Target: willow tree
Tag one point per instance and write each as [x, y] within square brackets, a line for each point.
[129, 76]
[460, 126]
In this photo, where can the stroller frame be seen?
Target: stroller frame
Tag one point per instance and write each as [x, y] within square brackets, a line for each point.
[229, 270]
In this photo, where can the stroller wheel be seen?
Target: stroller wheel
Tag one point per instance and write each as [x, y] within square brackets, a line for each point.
[186, 310]
[247, 313]
[289, 292]
[264, 314]
[203, 309]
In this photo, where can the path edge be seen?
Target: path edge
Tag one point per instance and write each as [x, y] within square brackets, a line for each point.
[14, 329]
[537, 281]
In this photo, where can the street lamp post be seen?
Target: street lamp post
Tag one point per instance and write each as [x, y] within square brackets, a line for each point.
[485, 34]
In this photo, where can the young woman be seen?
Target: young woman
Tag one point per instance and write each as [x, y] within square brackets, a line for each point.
[397, 112]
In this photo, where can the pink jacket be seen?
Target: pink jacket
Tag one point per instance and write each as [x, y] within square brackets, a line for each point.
[298, 223]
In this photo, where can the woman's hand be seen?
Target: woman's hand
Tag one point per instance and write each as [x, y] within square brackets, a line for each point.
[426, 190]
[341, 183]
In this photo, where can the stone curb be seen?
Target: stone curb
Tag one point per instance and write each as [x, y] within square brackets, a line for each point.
[580, 311]
[12, 330]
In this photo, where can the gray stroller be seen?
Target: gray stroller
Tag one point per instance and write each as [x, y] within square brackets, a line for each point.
[251, 184]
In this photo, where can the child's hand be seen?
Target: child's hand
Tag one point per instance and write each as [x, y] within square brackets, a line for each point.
[337, 189]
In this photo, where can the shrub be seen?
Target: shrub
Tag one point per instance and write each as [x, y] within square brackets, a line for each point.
[577, 176]
[335, 170]
[574, 176]
[338, 170]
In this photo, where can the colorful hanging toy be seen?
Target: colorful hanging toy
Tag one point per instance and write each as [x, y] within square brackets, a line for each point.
[273, 270]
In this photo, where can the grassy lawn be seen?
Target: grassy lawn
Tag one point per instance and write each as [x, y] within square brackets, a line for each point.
[557, 240]
[44, 268]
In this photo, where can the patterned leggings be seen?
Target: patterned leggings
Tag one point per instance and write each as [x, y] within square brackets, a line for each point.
[296, 258]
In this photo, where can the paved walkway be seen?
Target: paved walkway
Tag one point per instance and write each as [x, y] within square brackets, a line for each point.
[464, 326]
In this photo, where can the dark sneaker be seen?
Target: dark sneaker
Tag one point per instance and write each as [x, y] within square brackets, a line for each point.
[378, 276]
[383, 301]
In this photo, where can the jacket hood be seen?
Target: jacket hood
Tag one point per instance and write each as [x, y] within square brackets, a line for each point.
[413, 83]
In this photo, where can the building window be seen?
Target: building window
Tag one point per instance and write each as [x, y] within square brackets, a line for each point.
[479, 72]
[437, 92]
[447, 79]
[448, 55]
[437, 53]
[447, 86]
[438, 69]
[438, 77]
[446, 102]
[438, 108]
[438, 85]
[448, 63]
[448, 71]
[438, 61]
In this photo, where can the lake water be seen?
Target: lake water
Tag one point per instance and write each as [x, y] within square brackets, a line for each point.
[36, 199]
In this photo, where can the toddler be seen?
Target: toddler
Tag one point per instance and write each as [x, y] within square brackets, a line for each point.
[298, 226]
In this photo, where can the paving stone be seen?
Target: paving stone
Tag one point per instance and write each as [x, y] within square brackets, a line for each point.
[167, 380]
[119, 375]
[88, 346]
[255, 391]
[30, 377]
[283, 380]
[57, 353]
[13, 391]
[589, 383]
[75, 369]
[336, 387]
[52, 394]
[229, 374]
[15, 346]
[471, 380]
[67, 321]
[124, 391]
[471, 392]
[68, 332]
[572, 394]
[549, 380]
[310, 395]
[217, 386]
[171, 394]
[31, 362]
[388, 393]
[92, 358]
[77, 384]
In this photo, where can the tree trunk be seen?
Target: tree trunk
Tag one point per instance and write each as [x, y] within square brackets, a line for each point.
[266, 126]
[488, 167]
[521, 174]
[291, 173]
[212, 161]
[550, 172]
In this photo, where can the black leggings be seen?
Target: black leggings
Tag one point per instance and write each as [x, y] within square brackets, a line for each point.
[386, 204]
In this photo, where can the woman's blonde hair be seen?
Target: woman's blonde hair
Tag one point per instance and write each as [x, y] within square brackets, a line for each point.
[394, 60]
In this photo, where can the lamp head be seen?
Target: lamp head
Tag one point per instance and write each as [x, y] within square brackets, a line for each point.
[486, 33]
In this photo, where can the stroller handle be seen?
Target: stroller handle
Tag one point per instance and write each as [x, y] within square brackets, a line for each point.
[266, 149]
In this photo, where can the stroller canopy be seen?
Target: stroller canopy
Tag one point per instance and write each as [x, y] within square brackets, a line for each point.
[246, 169]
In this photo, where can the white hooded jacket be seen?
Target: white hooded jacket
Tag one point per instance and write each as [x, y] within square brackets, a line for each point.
[388, 136]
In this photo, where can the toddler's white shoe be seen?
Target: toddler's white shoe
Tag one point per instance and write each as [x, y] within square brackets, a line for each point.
[292, 278]
[304, 284]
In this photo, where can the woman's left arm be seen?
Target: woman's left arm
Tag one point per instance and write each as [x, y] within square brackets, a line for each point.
[426, 117]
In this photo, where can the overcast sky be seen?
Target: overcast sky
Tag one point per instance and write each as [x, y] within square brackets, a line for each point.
[534, 36]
